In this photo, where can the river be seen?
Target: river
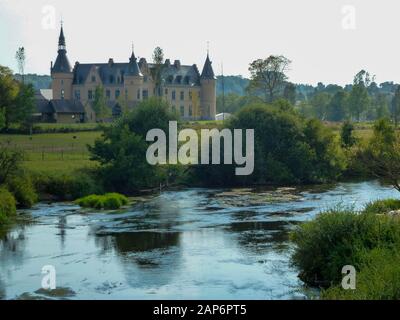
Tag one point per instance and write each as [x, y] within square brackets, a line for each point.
[185, 244]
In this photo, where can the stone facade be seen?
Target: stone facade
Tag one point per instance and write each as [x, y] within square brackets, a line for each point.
[191, 94]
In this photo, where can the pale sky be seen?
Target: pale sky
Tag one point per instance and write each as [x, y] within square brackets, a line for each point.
[323, 38]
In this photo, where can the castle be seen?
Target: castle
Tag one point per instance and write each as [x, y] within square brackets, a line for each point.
[189, 93]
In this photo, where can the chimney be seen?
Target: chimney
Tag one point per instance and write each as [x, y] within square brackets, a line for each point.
[177, 64]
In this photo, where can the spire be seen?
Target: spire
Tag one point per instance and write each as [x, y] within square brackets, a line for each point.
[208, 72]
[61, 39]
[62, 64]
[134, 69]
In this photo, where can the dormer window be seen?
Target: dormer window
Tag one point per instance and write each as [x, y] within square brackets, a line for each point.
[187, 79]
[93, 79]
[170, 79]
[179, 79]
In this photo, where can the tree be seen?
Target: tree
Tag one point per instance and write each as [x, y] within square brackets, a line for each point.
[10, 161]
[268, 75]
[346, 135]
[158, 60]
[24, 105]
[359, 99]
[121, 151]
[395, 106]
[319, 103]
[289, 93]
[336, 109]
[20, 57]
[8, 92]
[381, 157]
[100, 104]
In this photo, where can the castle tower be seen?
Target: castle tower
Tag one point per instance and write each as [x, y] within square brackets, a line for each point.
[133, 80]
[208, 94]
[61, 73]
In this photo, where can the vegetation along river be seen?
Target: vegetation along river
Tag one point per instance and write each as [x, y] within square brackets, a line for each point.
[187, 244]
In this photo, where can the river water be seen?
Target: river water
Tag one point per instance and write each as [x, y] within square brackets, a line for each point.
[186, 244]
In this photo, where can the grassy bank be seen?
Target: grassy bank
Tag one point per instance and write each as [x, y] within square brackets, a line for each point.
[368, 240]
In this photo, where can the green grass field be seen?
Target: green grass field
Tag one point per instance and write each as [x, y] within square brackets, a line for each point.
[53, 152]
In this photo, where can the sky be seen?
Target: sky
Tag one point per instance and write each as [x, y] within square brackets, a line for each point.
[327, 41]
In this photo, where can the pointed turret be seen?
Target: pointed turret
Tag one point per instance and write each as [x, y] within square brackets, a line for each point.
[62, 63]
[208, 90]
[61, 72]
[134, 69]
[208, 72]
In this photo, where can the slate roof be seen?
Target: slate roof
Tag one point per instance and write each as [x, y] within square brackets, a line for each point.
[62, 63]
[110, 72]
[67, 106]
[208, 72]
[42, 102]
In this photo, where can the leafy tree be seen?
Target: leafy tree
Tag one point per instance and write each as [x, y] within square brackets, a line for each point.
[289, 93]
[395, 106]
[336, 108]
[358, 101]
[347, 135]
[20, 57]
[268, 75]
[8, 92]
[10, 162]
[100, 104]
[158, 60]
[121, 151]
[381, 106]
[24, 105]
[319, 103]
[381, 157]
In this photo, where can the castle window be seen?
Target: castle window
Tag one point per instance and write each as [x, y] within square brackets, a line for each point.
[145, 78]
[108, 94]
[62, 81]
[173, 95]
[90, 94]
[190, 95]
[166, 91]
[77, 95]
[187, 79]
[179, 79]
[62, 94]
[190, 111]
[170, 79]
[117, 94]
[111, 79]
[93, 79]
[182, 111]
[126, 94]
[145, 94]
[182, 95]
[138, 94]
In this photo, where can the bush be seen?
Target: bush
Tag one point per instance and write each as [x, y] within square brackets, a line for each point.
[67, 187]
[383, 206]
[7, 205]
[379, 279]
[23, 190]
[338, 238]
[110, 201]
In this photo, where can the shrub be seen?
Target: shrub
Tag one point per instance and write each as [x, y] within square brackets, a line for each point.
[378, 279]
[23, 190]
[66, 187]
[383, 206]
[7, 205]
[110, 201]
[338, 238]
